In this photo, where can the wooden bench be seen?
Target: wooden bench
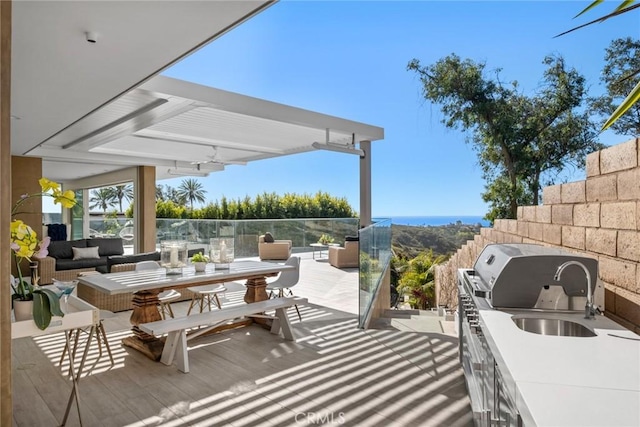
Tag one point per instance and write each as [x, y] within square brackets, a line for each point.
[175, 346]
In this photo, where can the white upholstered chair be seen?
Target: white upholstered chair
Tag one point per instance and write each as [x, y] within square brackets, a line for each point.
[281, 287]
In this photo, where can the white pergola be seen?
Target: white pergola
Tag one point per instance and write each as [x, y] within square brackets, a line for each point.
[183, 128]
[80, 90]
[186, 129]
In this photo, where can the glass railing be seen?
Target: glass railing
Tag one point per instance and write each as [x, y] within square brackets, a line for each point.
[198, 232]
[375, 241]
[375, 259]
[110, 227]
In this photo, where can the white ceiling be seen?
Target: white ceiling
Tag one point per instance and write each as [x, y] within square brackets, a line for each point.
[93, 108]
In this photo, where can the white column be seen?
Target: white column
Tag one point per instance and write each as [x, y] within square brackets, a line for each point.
[365, 184]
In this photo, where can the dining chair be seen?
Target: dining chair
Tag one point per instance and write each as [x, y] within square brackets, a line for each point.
[205, 295]
[165, 298]
[281, 287]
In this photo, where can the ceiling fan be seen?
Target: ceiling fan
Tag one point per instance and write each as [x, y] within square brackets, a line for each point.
[213, 158]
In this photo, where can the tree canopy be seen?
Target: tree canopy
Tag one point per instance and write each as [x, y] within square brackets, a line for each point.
[263, 206]
[619, 77]
[518, 138]
[417, 279]
[631, 100]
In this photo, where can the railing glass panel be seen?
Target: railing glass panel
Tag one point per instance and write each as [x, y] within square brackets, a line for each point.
[375, 259]
[198, 232]
[375, 241]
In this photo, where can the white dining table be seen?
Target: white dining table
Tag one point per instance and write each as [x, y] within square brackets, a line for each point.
[147, 284]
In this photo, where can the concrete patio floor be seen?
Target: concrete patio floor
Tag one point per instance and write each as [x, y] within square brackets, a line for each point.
[334, 374]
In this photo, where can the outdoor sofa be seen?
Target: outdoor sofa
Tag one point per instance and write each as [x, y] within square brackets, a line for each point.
[68, 258]
[61, 265]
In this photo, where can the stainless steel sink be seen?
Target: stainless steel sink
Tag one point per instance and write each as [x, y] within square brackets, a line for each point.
[557, 327]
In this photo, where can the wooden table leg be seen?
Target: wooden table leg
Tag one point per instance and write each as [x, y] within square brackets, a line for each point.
[256, 290]
[145, 309]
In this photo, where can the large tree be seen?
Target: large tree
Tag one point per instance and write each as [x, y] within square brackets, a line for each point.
[121, 192]
[192, 190]
[165, 193]
[102, 199]
[518, 138]
[619, 77]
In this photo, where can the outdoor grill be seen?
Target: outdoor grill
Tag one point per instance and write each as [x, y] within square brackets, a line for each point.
[512, 278]
[517, 275]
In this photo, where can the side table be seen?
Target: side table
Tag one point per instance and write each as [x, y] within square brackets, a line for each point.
[80, 314]
[321, 247]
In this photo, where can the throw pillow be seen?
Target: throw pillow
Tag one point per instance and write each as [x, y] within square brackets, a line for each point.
[62, 249]
[86, 253]
[107, 246]
[268, 238]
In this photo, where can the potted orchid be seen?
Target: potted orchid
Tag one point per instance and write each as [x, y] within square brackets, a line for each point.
[25, 245]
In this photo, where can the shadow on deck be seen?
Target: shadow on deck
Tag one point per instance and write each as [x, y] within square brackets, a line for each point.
[334, 374]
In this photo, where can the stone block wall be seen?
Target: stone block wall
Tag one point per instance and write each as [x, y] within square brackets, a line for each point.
[597, 217]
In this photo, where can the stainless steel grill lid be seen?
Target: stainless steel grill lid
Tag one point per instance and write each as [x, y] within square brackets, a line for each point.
[514, 274]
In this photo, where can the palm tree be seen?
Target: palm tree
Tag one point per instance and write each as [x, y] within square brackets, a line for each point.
[175, 196]
[191, 190]
[160, 193]
[102, 198]
[418, 282]
[120, 192]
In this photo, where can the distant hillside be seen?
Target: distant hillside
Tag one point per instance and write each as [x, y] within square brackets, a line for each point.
[407, 241]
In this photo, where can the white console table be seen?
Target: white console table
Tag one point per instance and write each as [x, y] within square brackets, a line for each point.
[79, 314]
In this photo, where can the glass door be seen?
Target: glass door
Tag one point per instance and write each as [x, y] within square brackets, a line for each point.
[77, 216]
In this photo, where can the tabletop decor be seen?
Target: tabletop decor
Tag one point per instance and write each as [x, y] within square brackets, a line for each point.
[222, 252]
[173, 256]
[200, 261]
[24, 245]
[325, 239]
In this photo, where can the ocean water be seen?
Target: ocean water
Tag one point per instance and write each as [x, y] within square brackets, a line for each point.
[437, 220]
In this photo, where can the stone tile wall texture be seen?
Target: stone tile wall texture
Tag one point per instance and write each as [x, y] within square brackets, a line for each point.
[598, 217]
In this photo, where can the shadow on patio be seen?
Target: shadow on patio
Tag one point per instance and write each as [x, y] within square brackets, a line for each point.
[335, 374]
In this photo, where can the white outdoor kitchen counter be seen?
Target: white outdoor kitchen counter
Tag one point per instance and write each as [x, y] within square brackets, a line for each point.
[568, 381]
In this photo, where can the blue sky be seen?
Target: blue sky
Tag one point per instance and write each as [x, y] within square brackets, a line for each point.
[349, 59]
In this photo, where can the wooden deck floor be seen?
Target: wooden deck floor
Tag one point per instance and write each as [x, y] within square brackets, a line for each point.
[334, 374]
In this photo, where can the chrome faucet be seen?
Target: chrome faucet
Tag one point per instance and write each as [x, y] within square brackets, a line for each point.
[589, 309]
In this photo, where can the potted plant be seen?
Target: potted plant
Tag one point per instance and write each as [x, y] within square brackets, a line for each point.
[325, 239]
[24, 245]
[200, 261]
